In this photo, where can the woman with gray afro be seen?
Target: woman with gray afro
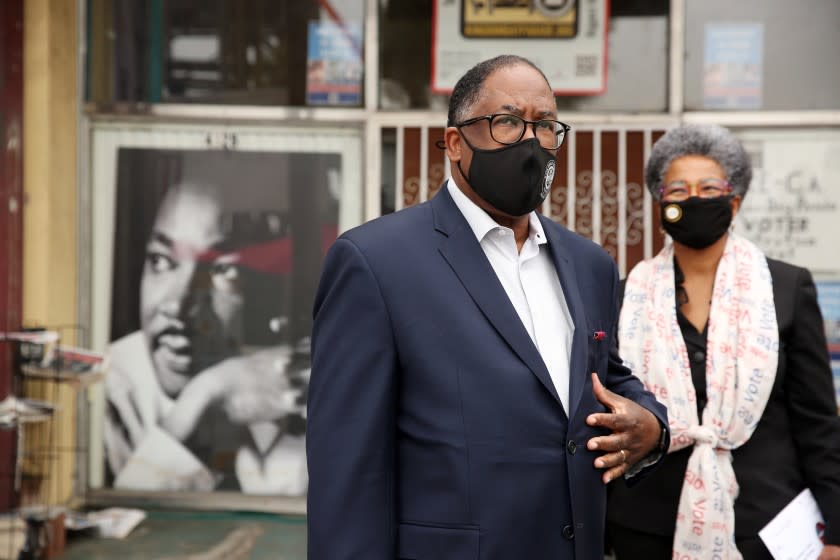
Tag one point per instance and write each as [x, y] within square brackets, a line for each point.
[711, 141]
[732, 343]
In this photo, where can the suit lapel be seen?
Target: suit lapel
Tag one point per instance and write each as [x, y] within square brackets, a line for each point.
[464, 254]
[578, 376]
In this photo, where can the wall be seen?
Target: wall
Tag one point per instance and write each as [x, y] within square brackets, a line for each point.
[50, 247]
[11, 76]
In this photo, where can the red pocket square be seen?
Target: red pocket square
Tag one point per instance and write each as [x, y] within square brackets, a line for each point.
[599, 335]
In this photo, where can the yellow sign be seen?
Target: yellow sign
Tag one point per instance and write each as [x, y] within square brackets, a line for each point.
[537, 19]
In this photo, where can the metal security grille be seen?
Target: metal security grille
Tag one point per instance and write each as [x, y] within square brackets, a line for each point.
[598, 190]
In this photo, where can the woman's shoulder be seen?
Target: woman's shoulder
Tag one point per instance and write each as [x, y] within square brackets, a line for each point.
[786, 274]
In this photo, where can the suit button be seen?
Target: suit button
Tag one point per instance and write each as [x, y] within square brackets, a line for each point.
[571, 447]
[568, 532]
[699, 357]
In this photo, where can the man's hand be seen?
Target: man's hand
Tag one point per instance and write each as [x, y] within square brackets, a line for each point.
[635, 432]
[830, 552]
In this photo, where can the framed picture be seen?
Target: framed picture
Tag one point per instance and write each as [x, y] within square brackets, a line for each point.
[207, 246]
[567, 39]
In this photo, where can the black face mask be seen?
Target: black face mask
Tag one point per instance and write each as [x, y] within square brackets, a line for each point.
[697, 222]
[514, 179]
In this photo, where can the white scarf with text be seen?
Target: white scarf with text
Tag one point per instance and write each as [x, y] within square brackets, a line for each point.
[741, 358]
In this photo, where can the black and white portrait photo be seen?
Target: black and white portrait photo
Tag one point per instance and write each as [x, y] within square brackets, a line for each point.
[216, 258]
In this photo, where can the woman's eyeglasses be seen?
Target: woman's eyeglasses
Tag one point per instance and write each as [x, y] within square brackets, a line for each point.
[679, 190]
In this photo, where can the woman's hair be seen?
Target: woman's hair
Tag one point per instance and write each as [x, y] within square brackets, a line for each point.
[711, 141]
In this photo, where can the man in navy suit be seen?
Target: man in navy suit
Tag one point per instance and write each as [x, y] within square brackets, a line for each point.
[466, 398]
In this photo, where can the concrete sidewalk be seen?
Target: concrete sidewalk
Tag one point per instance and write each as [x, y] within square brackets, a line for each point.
[170, 535]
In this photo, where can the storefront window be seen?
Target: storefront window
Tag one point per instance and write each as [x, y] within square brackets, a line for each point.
[637, 48]
[260, 52]
[758, 55]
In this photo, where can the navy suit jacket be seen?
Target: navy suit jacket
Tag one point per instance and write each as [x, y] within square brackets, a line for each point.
[434, 430]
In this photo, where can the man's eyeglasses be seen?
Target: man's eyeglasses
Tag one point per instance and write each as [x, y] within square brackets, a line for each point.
[680, 190]
[509, 129]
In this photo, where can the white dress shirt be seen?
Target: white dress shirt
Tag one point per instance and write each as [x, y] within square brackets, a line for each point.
[531, 283]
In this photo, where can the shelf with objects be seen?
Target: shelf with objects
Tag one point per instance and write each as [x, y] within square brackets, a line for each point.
[45, 411]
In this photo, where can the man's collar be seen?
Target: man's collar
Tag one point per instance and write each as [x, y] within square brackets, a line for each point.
[481, 223]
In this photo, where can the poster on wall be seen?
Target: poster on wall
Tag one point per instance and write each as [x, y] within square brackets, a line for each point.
[215, 261]
[828, 296]
[733, 65]
[793, 203]
[334, 64]
[567, 39]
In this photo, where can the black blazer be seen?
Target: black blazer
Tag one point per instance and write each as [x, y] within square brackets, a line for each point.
[795, 445]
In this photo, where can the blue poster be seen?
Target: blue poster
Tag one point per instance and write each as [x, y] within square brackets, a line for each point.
[732, 65]
[828, 296]
[334, 64]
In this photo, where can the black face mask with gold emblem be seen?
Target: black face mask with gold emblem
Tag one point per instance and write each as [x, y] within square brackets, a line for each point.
[515, 178]
[697, 222]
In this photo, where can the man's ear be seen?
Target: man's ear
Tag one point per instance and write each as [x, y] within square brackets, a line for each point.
[452, 142]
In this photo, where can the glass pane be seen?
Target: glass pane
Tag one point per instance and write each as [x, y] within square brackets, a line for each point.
[791, 208]
[260, 52]
[759, 55]
[637, 58]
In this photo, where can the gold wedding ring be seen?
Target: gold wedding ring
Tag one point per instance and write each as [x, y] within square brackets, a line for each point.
[623, 455]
